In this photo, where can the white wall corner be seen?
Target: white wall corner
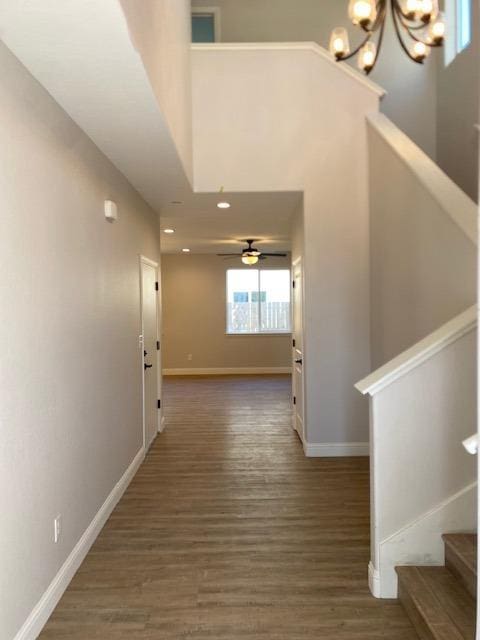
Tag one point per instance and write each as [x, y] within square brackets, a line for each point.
[162, 425]
[49, 600]
[374, 581]
[335, 449]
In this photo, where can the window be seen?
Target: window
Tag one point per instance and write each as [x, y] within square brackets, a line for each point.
[258, 301]
[459, 27]
[205, 24]
[464, 24]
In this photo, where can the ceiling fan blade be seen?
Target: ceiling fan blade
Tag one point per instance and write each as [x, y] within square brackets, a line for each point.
[278, 255]
[229, 254]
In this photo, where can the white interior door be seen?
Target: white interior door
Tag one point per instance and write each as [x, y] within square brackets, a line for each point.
[150, 359]
[297, 349]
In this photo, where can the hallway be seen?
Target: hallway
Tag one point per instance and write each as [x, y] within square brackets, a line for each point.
[228, 532]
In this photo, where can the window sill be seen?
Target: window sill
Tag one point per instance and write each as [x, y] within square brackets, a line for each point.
[258, 334]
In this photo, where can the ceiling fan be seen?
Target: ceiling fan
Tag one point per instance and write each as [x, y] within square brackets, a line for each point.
[250, 255]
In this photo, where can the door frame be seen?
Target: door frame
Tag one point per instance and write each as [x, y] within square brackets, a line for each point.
[143, 260]
[297, 264]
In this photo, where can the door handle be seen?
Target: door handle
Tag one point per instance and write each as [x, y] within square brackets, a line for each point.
[299, 361]
[147, 366]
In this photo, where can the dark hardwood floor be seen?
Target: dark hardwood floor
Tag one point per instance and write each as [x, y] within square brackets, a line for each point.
[228, 532]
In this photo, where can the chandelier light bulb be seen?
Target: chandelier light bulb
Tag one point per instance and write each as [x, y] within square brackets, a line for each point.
[420, 51]
[362, 12]
[367, 56]
[411, 9]
[437, 29]
[339, 43]
[428, 10]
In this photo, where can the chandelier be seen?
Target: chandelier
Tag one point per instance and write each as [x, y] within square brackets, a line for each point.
[419, 26]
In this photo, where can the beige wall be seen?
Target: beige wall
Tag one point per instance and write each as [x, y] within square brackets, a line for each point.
[194, 320]
[70, 371]
[458, 113]
[423, 265]
[275, 150]
[411, 89]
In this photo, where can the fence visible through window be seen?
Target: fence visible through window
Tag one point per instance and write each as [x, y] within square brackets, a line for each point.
[258, 301]
[243, 317]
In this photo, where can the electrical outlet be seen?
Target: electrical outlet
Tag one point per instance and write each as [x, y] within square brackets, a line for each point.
[57, 528]
[189, 356]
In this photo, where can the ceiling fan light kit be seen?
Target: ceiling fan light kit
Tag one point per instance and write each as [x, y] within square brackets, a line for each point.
[250, 260]
[419, 26]
[250, 255]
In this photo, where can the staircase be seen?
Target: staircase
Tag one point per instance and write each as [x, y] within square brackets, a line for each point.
[440, 601]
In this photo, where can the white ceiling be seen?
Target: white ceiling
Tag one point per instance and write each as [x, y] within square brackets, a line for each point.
[204, 228]
[80, 51]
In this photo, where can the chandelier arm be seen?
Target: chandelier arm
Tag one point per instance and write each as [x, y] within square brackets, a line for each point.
[379, 44]
[413, 36]
[405, 21]
[355, 51]
[378, 20]
[382, 14]
[410, 28]
[428, 44]
[399, 35]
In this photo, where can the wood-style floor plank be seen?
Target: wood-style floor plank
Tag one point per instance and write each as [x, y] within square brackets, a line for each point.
[228, 532]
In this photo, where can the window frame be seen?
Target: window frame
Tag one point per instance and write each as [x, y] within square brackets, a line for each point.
[454, 43]
[460, 22]
[210, 11]
[241, 334]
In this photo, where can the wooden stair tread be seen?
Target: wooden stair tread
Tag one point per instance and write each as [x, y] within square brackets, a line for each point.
[461, 558]
[438, 604]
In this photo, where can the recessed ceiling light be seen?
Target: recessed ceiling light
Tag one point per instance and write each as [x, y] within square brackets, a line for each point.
[223, 205]
[169, 231]
[186, 250]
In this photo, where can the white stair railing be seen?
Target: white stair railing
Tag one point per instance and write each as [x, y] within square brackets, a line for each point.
[422, 406]
[471, 444]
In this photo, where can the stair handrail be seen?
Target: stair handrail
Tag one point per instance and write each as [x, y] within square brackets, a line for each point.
[420, 352]
[461, 209]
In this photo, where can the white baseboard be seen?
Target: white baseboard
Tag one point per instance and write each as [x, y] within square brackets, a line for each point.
[420, 542]
[225, 371]
[47, 603]
[374, 581]
[335, 449]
